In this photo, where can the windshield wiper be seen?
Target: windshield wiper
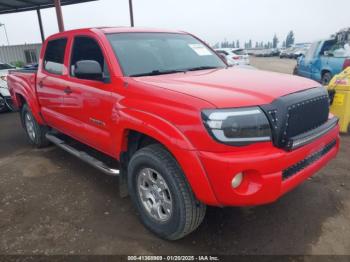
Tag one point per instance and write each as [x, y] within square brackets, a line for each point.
[202, 68]
[164, 72]
[159, 72]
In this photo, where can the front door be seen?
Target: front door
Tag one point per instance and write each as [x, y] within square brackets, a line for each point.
[89, 103]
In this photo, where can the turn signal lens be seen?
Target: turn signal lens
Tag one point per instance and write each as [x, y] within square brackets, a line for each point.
[237, 180]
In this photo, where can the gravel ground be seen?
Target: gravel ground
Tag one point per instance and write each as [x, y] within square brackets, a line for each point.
[51, 203]
[274, 64]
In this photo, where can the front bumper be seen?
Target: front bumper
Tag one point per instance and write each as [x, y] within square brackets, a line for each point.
[268, 172]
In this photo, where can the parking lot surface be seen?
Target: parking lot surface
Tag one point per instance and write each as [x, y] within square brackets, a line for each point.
[52, 203]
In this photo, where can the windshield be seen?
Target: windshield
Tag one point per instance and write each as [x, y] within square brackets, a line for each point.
[6, 66]
[161, 53]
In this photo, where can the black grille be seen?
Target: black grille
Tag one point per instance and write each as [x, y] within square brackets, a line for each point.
[307, 115]
[297, 113]
[296, 168]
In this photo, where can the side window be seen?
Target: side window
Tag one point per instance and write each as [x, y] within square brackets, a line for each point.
[54, 56]
[86, 48]
[327, 46]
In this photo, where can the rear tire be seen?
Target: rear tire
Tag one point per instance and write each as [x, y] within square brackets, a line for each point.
[326, 78]
[163, 199]
[36, 133]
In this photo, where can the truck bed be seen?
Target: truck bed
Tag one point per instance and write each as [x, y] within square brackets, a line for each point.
[23, 83]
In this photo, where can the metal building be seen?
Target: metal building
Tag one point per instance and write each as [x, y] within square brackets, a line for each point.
[26, 54]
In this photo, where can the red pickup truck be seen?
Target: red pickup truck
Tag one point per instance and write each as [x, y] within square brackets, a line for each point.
[183, 130]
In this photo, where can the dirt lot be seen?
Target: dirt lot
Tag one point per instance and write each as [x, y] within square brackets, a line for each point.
[51, 203]
[274, 64]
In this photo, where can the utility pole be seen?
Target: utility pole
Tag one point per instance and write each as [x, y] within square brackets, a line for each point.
[8, 42]
[59, 15]
[131, 13]
[41, 26]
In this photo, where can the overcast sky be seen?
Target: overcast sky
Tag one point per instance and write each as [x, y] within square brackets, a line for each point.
[211, 20]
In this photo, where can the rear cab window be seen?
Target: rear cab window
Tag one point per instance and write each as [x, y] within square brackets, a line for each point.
[54, 56]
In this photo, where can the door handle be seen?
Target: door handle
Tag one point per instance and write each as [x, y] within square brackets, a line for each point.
[67, 90]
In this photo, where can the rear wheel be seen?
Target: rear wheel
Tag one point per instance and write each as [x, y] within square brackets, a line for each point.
[36, 133]
[326, 78]
[161, 194]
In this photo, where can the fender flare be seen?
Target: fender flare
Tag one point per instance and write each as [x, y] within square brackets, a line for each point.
[29, 97]
[176, 143]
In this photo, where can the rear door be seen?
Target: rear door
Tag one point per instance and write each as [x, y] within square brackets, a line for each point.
[51, 80]
[88, 105]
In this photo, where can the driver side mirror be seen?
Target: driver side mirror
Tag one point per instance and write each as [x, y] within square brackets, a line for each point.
[88, 69]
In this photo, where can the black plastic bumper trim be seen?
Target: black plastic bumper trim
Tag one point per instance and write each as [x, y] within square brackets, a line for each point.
[296, 168]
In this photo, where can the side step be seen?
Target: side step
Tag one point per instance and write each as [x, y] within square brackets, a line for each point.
[83, 155]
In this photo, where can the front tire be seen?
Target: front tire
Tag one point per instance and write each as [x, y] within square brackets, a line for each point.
[36, 133]
[326, 78]
[161, 194]
[3, 107]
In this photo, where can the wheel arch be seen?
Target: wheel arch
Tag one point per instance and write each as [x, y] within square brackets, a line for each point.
[325, 70]
[152, 129]
[20, 99]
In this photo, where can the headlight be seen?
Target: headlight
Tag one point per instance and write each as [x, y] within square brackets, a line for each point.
[241, 126]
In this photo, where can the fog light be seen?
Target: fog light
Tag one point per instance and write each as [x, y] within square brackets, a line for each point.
[237, 180]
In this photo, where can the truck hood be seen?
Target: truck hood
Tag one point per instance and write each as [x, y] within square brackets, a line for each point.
[232, 87]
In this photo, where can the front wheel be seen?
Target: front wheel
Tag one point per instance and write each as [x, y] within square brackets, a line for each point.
[326, 78]
[161, 194]
[3, 107]
[35, 132]
[9, 105]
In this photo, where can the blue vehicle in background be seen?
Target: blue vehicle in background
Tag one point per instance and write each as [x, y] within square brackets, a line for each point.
[325, 58]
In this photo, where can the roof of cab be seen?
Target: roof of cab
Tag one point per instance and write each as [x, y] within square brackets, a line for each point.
[120, 29]
[127, 29]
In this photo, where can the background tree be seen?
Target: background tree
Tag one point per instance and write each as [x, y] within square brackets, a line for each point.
[290, 39]
[217, 45]
[275, 41]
